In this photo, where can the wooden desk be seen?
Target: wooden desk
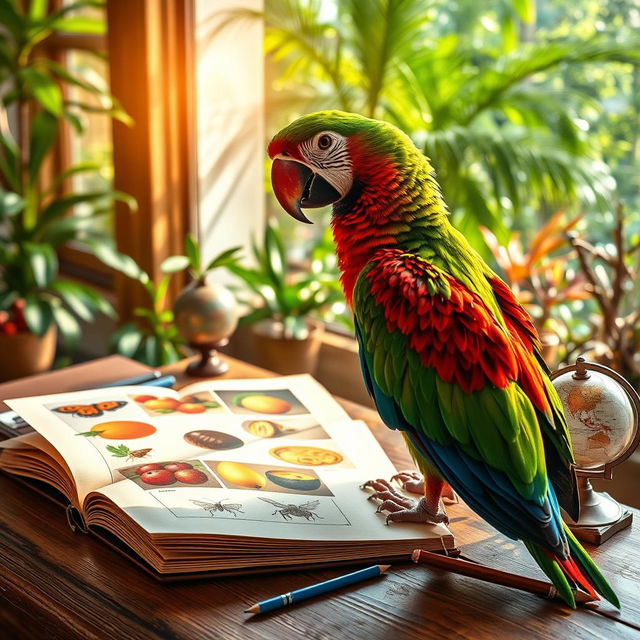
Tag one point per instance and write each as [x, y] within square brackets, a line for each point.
[57, 584]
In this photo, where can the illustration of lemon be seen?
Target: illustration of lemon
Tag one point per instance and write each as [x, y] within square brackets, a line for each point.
[307, 456]
[261, 403]
[240, 474]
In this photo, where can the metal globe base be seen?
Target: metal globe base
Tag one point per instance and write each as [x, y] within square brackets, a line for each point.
[596, 509]
[210, 364]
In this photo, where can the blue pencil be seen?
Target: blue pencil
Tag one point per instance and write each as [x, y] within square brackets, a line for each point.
[316, 589]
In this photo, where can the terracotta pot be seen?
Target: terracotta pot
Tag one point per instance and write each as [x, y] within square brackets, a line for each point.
[24, 354]
[288, 355]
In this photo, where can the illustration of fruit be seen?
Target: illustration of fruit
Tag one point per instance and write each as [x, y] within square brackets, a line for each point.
[261, 403]
[294, 480]
[206, 439]
[120, 430]
[237, 473]
[191, 407]
[122, 451]
[152, 466]
[158, 477]
[263, 428]
[160, 405]
[308, 456]
[177, 466]
[142, 399]
[190, 476]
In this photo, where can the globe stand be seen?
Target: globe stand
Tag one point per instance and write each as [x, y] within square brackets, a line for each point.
[600, 515]
[210, 364]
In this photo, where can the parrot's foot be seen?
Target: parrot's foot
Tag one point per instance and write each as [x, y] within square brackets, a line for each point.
[402, 508]
[414, 482]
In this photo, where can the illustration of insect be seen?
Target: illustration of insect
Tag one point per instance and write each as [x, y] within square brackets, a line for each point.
[122, 450]
[212, 507]
[92, 410]
[288, 511]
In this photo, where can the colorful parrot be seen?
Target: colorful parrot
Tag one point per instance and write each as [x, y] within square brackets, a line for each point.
[448, 354]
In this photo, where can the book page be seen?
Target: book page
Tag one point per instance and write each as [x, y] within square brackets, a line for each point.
[296, 484]
[106, 435]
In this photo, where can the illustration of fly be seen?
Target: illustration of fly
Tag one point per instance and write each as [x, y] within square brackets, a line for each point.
[212, 507]
[289, 511]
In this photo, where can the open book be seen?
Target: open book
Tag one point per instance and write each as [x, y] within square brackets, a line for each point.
[224, 476]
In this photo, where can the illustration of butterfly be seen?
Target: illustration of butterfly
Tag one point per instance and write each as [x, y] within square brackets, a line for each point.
[92, 410]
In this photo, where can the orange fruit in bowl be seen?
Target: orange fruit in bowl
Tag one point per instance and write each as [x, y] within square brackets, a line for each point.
[120, 430]
[161, 404]
[191, 407]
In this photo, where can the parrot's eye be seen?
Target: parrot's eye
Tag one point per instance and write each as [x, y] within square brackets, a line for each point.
[324, 142]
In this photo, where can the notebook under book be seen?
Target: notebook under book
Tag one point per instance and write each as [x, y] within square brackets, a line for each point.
[221, 477]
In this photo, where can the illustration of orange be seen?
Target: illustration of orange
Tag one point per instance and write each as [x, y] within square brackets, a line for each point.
[261, 403]
[191, 407]
[161, 404]
[120, 430]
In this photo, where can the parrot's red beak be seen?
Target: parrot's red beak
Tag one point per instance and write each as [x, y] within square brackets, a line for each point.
[297, 186]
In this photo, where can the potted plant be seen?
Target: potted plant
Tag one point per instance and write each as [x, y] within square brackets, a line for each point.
[34, 213]
[284, 305]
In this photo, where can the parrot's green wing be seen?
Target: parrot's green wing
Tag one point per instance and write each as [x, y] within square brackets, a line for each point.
[442, 369]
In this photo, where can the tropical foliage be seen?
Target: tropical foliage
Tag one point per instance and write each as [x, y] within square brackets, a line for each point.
[34, 218]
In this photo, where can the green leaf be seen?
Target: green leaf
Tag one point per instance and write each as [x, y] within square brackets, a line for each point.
[44, 89]
[526, 10]
[80, 24]
[68, 326]
[11, 18]
[10, 204]
[174, 263]
[79, 298]
[38, 314]
[80, 167]
[159, 294]
[44, 130]
[192, 249]
[223, 259]
[43, 262]
[9, 161]
[38, 9]
[126, 340]
[81, 228]
[119, 261]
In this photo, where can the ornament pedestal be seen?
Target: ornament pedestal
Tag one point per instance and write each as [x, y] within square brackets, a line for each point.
[210, 364]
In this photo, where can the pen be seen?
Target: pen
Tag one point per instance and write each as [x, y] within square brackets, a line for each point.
[316, 589]
[143, 378]
[495, 576]
[164, 381]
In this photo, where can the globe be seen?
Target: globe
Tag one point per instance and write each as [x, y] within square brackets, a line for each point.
[600, 415]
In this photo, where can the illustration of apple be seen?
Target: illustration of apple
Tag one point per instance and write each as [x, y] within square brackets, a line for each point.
[142, 399]
[177, 466]
[153, 466]
[190, 476]
[158, 477]
[191, 407]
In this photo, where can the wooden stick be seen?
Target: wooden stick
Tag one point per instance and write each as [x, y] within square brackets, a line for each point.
[495, 576]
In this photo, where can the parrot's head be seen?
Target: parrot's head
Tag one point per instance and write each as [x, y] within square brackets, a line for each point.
[322, 157]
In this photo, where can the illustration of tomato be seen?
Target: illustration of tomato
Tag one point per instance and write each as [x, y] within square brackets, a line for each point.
[261, 403]
[142, 399]
[237, 473]
[120, 430]
[191, 407]
[159, 477]
[153, 466]
[177, 466]
[161, 404]
[190, 476]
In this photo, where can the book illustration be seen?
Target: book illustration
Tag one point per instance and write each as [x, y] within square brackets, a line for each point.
[217, 440]
[291, 511]
[120, 430]
[309, 456]
[177, 473]
[92, 410]
[194, 403]
[272, 401]
[308, 429]
[122, 451]
[212, 507]
[249, 476]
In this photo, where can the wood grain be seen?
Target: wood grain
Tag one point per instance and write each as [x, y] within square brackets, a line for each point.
[57, 584]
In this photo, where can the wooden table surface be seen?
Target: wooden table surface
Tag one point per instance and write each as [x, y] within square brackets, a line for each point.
[57, 584]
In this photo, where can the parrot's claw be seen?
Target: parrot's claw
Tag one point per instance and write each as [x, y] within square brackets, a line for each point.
[420, 512]
[410, 481]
